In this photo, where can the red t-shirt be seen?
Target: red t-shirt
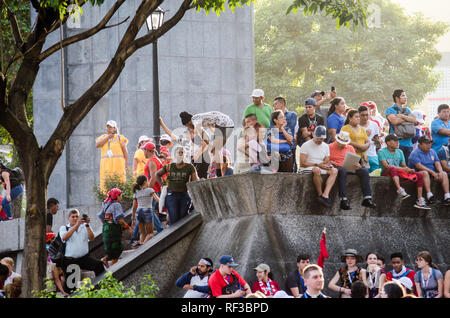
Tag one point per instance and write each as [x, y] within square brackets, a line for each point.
[338, 155]
[217, 282]
[410, 275]
[159, 165]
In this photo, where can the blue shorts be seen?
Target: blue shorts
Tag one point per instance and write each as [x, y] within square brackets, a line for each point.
[145, 215]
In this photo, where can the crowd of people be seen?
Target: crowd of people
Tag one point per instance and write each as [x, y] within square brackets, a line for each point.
[352, 280]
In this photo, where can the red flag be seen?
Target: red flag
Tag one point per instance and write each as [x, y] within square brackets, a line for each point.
[323, 250]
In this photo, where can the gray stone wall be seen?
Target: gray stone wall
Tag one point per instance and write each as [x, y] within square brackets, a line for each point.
[205, 63]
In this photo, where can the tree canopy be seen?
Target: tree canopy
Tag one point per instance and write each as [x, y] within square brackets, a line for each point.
[296, 55]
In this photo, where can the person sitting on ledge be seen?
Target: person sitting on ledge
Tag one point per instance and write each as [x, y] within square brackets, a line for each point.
[338, 149]
[315, 158]
[314, 282]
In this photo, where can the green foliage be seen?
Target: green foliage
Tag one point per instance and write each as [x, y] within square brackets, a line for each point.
[63, 6]
[115, 181]
[109, 287]
[296, 55]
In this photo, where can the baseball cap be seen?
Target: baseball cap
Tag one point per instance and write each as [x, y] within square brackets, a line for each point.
[262, 268]
[165, 137]
[164, 150]
[257, 92]
[144, 137]
[148, 146]
[317, 93]
[406, 282]
[320, 132]
[111, 123]
[419, 116]
[310, 102]
[424, 139]
[227, 260]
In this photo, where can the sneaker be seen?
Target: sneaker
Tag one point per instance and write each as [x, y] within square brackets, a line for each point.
[446, 202]
[345, 205]
[402, 193]
[421, 204]
[432, 200]
[368, 203]
[324, 201]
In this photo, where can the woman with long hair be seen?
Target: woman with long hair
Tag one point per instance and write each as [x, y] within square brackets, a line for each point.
[142, 204]
[376, 276]
[112, 217]
[280, 138]
[265, 283]
[358, 135]
[345, 276]
[336, 117]
[429, 279]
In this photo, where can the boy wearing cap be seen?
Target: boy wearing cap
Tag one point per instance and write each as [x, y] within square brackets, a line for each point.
[338, 150]
[265, 284]
[440, 127]
[225, 282]
[262, 110]
[426, 159]
[308, 122]
[393, 165]
[315, 157]
[114, 154]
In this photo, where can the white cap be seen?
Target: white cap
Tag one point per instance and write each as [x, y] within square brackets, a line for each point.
[406, 282]
[419, 116]
[257, 92]
[111, 123]
[282, 294]
[165, 137]
[143, 137]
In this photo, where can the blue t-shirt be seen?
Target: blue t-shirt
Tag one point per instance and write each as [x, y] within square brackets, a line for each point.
[438, 139]
[427, 159]
[335, 121]
[442, 155]
[393, 159]
[396, 110]
[291, 119]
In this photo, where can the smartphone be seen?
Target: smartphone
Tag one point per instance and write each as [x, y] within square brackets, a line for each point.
[84, 216]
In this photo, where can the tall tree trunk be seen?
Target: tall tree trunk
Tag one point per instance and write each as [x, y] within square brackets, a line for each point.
[17, 207]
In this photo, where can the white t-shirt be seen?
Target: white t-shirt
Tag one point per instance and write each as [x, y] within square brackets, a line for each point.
[197, 281]
[78, 244]
[374, 130]
[316, 153]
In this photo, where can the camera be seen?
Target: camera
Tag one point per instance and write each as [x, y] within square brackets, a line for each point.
[84, 217]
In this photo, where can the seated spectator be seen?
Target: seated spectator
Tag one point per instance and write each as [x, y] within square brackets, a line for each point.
[399, 270]
[14, 289]
[407, 285]
[393, 165]
[220, 169]
[314, 282]
[393, 289]
[381, 261]
[112, 218]
[315, 158]
[338, 149]
[429, 279]
[444, 157]
[425, 159]
[376, 276]
[336, 117]
[447, 284]
[54, 273]
[4, 272]
[280, 139]
[265, 283]
[52, 209]
[196, 280]
[346, 276]
[308, 122]
[440, 127]
[420, 129]
[9, 262]
[358, 136]
[374, 135]
[359, 290]
[225, 282]
[295, 283]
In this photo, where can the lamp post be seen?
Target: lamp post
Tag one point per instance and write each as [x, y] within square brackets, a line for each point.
[154, 21]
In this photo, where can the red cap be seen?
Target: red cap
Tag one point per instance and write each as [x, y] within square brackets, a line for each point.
[148, 146]
[49, 236]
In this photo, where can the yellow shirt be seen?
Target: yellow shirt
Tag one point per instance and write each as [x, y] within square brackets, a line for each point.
[358, 136]
[115, 164]
[141, 161]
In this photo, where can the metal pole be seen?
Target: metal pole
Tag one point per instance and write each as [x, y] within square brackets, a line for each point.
[156, 127]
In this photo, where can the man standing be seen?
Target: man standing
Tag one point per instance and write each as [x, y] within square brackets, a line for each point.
[196, 280]
[77, 235]
[262, 110]
[314, 282]
[226, 282]
[399, 114]
[426, 159]
[440, 127]
[52, 209]
[373, 132]
[315, 157]
[338, 150]
[295, 283]
[399, 270]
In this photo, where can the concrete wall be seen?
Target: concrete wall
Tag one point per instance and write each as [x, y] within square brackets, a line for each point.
[205, 63]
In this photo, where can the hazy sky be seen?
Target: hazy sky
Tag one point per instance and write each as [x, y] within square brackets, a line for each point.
[436, 10]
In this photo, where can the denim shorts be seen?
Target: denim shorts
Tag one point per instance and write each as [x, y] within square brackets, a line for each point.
[145, 215]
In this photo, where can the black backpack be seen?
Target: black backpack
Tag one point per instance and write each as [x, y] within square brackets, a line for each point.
[229, 289]
[57, 250]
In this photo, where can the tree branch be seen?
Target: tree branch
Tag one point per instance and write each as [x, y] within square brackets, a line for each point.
[14, 26]
[84, 35]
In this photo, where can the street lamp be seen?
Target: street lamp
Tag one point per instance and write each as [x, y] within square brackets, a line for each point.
[155, 21]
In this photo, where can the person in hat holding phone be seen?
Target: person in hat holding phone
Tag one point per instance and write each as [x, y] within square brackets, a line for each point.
[345, 276]
[114, 154]
[265, 283]
[225, 282]
[338, 150]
